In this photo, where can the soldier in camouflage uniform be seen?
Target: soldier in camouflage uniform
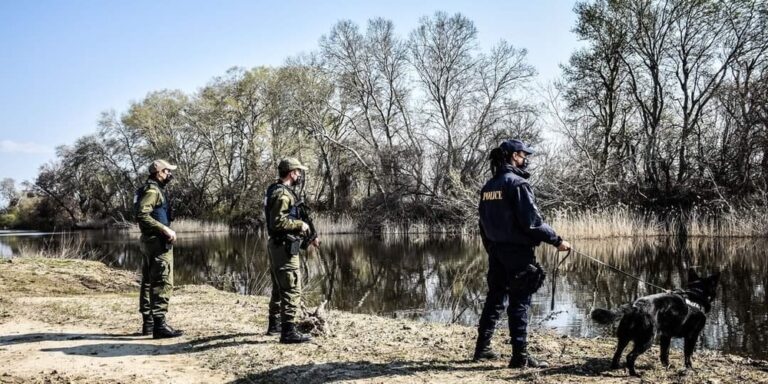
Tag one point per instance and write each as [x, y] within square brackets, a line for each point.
[285, 234]
[154, 215]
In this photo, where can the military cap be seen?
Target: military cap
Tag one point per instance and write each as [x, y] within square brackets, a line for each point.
[289, 164]
[160, 164]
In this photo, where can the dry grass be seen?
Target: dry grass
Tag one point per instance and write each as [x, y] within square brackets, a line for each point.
[602, 224]
[338, 224]
[186, 226]
[60, 247]
[740, 222]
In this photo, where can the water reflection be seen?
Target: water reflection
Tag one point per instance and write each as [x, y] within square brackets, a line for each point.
[443, 279]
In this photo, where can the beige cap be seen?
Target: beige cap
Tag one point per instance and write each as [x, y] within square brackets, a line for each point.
[159, 165]
[289, 164]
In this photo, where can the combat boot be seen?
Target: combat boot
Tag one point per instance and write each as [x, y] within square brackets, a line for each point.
[521, 358]
[289, 334]
[161, 330]
[273, 329]
[483, 350]
[148, 323]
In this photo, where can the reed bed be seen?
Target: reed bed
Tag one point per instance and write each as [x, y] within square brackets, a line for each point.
[60, 247]
[337, 224]
[188, 226]
[569, 223]
[605, 223]
[741, 222]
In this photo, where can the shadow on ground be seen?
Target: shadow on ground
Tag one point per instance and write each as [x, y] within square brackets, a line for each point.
[358, 370]
[130, 346]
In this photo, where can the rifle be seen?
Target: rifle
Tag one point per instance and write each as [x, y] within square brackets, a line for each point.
[304, 215]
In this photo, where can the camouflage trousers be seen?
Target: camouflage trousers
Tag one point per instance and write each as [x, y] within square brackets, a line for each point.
[156, 276]
[285, 300]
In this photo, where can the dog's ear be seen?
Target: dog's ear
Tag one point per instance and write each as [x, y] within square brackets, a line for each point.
[692, 276]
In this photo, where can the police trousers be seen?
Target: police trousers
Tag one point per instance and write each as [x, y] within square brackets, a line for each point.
[285, 300]
[504, 261]
[156, 276]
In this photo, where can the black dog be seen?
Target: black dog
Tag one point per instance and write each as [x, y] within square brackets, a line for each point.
[681, 313]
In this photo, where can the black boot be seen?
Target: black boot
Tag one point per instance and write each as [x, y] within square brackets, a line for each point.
[521, 358]
[161, 330]
[273, 329]
[147, 325]
[483, 350]
[289, 334]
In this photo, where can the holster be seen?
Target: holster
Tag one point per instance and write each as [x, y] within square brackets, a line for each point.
[529, 280]
[292, 244]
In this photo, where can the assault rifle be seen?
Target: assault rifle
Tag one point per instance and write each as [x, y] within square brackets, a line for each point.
[305, 216]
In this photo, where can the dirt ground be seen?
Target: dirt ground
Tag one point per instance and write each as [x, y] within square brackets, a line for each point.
[72, 321]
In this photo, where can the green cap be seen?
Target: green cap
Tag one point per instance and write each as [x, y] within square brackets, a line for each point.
[289, 164]
[159, 165]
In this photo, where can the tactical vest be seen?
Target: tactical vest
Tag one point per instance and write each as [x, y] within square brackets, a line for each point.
[293, 212]
[161, 212]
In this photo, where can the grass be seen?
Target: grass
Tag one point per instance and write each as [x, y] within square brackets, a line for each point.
[337, 224]
[60, 247]
[186, 226]
[606, 223]
[741, 222]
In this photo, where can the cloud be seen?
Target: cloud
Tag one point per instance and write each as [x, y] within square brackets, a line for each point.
[27, 148]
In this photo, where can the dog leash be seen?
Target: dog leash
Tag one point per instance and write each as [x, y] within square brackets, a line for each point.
[560, 261]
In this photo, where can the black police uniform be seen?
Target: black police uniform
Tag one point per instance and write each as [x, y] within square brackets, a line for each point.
[511, 228]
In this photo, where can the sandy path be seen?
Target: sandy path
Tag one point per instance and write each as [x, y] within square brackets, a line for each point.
[34, 349]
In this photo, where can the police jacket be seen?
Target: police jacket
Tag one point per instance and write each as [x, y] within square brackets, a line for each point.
[508, 211]
[153, 211]
[280, 211]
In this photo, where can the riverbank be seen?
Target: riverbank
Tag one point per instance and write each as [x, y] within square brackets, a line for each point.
[75, 321]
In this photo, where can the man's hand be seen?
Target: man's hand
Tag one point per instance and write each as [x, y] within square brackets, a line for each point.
[316, 242]
[564, 246]
[304, 227]
[170, 234]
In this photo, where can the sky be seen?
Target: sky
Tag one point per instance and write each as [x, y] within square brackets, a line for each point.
[64, 62]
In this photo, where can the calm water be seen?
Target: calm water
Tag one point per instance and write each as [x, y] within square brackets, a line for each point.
[443, 279]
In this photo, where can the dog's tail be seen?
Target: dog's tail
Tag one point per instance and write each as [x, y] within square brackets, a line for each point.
[605, 316]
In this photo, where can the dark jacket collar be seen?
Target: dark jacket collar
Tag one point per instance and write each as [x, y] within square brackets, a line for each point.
[507, 168]
[151, 180]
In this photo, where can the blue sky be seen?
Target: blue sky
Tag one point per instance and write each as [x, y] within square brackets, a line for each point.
[62, 63]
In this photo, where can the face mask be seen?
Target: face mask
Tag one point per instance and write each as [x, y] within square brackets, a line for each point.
[167, 179]
[300, 178]
[525, 164]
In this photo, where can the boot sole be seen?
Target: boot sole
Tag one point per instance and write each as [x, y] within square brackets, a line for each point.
[294, 341]
[166, 336]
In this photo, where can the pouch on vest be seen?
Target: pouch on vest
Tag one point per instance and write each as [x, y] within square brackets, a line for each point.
[292, 244]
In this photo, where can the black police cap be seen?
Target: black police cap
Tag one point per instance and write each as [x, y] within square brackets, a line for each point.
[515, 145]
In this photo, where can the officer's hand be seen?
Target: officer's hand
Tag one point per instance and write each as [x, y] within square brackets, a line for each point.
[316, 242]
[304, 227]
[170, 234]
[564, 246]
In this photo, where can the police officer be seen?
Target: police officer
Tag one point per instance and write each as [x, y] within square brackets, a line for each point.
[511, 228]
[154, 215]
[286, 232]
